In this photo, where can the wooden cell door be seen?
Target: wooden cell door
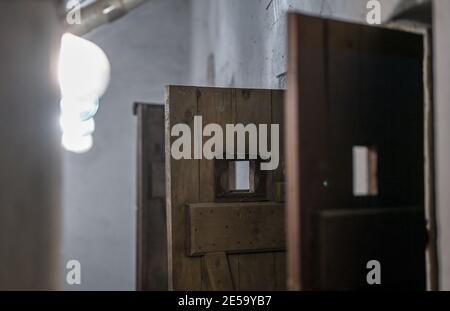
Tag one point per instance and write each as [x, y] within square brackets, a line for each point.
[356, 149]
[223, 234]
[151, 246]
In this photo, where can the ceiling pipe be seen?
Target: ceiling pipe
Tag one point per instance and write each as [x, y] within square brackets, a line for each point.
[101, 12]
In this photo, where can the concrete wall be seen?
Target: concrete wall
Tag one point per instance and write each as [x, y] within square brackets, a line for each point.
[30, 145]
[243, 43]
[442, 127]
[148, 49]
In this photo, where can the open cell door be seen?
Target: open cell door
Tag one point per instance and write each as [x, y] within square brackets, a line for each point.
[355, 156]
[151, 246]
[225, 218]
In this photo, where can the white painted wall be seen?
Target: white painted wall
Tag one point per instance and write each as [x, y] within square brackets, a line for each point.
[243, 43]
[148, 49]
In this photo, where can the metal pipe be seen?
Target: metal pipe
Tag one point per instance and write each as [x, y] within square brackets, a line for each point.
[99, 13]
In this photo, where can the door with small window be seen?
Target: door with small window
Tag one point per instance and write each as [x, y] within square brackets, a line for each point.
[357, 153]
[225, 215]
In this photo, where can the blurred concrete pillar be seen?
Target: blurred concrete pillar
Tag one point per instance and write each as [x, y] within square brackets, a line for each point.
[29, 145]
[442, 128]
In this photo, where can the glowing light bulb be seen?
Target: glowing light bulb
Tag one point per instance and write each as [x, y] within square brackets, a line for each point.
[84, 74]
[79, 109]
[73, 126]
[76, 143]
[84, 69]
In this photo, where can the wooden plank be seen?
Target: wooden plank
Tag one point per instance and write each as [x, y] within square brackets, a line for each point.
[256, 272]
[215, 106]
[292, 158]
[255, 106]
[235, 227]
[277, 177]
[306, 126]
[353, 237]
[393, 116]
[430, 165]
[233, 262]
[219, 273]
[141, 185]
[151, 245]
[277, 106]
[280, 271]
[206, 284]
[152, 271]
[157, 173]
[182, 187]
[343, 82]
[279, 182]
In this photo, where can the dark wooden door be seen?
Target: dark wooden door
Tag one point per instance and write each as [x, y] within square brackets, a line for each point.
[220, 239]
[355, 164]
[151, 246]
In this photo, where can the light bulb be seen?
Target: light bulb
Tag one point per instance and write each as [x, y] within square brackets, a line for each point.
[81, 110]
[77, 143]
[83, 73]
[84, 70]
[73, 126]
